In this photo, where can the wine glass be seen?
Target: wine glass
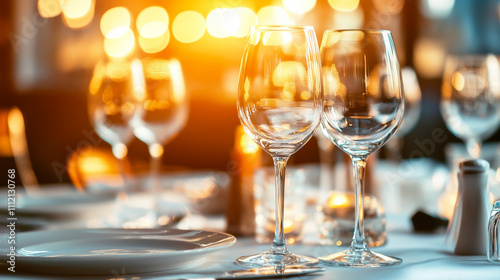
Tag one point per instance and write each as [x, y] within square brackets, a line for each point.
[111, 106]
[279, 105]
[413, 96]
[470, 101]
[161, 112]
[363, 108]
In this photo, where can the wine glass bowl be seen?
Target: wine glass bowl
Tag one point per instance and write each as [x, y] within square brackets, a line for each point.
[161, 111]
[111, 105]
[279, 105]
[470, 100]
[363, 107]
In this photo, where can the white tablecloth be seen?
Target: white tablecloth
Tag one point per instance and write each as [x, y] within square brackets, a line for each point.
[424, 257]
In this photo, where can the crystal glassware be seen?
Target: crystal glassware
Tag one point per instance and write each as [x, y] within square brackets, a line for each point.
[363, 107]
[161, 111]
[470, 100]
[111, 106]
[494, 234]
[279, 105]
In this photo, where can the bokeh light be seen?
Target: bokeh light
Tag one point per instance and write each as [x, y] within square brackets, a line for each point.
[222, 22]
[152, 22]
[154, 44]
[299, 6]
[429, 57]
[349, 20]
[188, 27]
[246, 18]
[120, 47]
[115, 22]
[344, 5]
[49, 8]
[77, 13]
[270, 15]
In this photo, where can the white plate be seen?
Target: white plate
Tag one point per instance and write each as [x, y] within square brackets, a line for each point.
[59, 202]
[113, 251]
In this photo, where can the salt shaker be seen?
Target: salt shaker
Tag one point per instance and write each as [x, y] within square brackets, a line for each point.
[494, 234]
[467, 232]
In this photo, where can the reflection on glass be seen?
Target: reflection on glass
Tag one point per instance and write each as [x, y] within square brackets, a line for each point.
[111, 106]
[161, 111]
[470, 102]
[279, 106]
[363, 107]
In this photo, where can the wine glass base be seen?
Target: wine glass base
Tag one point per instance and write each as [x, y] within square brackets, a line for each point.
[359, 258]
[275, 259]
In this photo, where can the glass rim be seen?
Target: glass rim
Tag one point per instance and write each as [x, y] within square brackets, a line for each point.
[277, 27]
[365, 30]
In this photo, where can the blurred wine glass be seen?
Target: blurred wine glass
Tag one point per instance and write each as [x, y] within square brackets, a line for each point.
[413, 96]
[279, 105]
[364, 105]
[470, 100]
[111, 106]
[161, 111]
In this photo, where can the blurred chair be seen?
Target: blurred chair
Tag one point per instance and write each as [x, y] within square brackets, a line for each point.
[13, 144]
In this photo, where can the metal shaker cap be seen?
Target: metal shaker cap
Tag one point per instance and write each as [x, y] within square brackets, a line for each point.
[474, 166]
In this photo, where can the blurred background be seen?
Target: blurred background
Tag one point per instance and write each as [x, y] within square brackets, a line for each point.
[49, 49]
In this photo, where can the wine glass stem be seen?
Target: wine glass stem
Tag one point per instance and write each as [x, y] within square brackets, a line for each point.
[156, 152]
[279, 243]
[120, 153]
[474, 147]
[358, 240]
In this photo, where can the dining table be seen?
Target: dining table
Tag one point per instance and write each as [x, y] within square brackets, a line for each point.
[425, 256]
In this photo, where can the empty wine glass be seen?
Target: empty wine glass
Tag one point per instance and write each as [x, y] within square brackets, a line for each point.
[363, 107]
[161, 112]
[470, 101]
[279, 105]
[413, 96]
[111, 106]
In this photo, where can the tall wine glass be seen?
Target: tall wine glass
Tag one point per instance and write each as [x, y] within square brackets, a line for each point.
[279, 105]
[470, 101]
[111, 106]
[161, 112]
[363, 108]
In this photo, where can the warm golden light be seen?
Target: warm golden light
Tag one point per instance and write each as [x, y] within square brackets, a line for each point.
[458, 81]
[97, 78]
[339, 200]
[246, 18]
[154, 44]
[299, 6]
[152, 22]
[156, 150]
[49, 8]
[344, 5]
[120, 47]
[77, 13]
[289, 72]
[156, 69]
[429, 58]
[177, 77]
[188, 27]
[349, 20]
[115, 22]
[222, 22]
[91, 164]
[247, 145]
[270, 15]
